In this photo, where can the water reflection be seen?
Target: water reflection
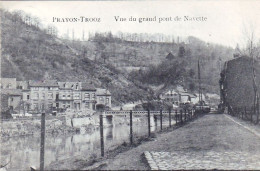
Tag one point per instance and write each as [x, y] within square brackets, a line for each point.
[25, 151]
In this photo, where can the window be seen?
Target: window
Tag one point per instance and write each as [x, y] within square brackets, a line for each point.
[35, 95]
[50, 96]
[76, 96]
[64, 96]
[12, 99]
[43, 95]
[68, 96]
[87, 105]
[9, 85]
[35, 106]
[50, 105]
[28, 96]
[93, 96]
[87, 96]
[107, 100]
[77, 87]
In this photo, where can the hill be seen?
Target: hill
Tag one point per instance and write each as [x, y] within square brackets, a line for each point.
[131, 66]
[31, 53]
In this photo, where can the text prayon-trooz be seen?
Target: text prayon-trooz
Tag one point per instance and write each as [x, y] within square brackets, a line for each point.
[76, 19]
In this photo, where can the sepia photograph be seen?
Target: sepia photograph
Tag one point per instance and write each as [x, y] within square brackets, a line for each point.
[130, 85]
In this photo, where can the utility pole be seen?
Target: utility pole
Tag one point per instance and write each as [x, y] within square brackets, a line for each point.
[200, 97]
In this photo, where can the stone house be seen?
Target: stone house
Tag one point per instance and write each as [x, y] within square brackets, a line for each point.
[43, 95]
[103, 97]
[8, 83]
[88, 96]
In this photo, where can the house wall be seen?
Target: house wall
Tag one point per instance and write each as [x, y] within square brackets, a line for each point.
[8, 83]
[88, 99]
[104, 99]
[43, 98]
[14, 102]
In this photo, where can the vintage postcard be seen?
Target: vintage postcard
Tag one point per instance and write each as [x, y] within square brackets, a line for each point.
[130, 85]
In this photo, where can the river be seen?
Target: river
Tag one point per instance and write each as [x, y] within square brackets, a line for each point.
[23, 152]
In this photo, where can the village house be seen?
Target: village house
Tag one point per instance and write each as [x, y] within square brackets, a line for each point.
[69, 95]
[43, 95]
[48, 95]
[178, 96]
[103, 97]
[88, 96]
[8, 83]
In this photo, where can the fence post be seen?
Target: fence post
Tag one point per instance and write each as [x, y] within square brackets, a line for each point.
[131, 127]
[245, 113]
[181, 117]
[161, 118]
[149, 127]
[170, 118]
[176, 116]
[101, 134]
[185, 115]
[42, 142]
[251, 116]
[155, 120]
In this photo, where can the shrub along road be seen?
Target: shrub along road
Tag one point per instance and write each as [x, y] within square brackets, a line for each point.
[211, 142]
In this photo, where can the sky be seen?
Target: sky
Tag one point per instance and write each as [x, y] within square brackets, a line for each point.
[226, 23]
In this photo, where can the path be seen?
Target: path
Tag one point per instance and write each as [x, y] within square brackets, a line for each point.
[211, 142]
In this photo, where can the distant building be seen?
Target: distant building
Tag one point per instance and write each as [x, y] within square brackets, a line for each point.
[178, 96]
[43, 95]
[47, 95]
[103, 97]
[89, 96]
[14, 99]
[8, 83]
[70, 95]
[23, 85]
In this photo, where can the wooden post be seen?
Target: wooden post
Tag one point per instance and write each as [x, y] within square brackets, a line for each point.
[245, 113]
[42, 142]
[161, 118]
[155, 120]
[170, 118]
[131, 127]
[181, 117]
[185, 115]
[101, 135]
[251, 116]
[149, 127]
[176, 116]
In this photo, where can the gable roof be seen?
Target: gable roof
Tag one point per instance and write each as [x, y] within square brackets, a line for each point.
[170, 56]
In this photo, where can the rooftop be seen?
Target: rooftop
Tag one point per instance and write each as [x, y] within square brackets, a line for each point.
[101, 91]
[86, 86]
[43, 83]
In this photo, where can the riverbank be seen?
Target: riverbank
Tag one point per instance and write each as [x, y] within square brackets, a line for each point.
[94, 161]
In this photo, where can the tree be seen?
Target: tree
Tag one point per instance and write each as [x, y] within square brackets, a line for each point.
[252, 51]
[181, 52]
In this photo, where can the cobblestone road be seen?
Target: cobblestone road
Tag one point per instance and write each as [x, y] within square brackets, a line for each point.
[211, 142]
